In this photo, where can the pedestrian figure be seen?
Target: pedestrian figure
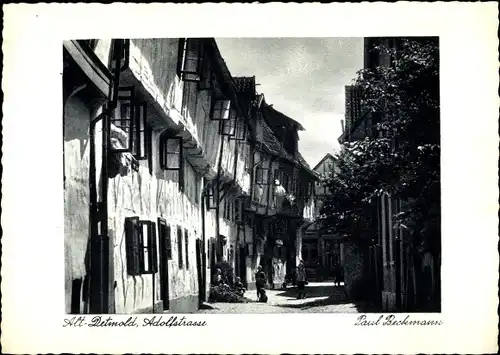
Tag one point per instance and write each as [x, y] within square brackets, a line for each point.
[239, 287]
[301, 280]
[338, 274]
[218, 278]
[260, 283]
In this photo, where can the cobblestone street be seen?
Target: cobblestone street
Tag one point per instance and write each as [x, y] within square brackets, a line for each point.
[319, 300]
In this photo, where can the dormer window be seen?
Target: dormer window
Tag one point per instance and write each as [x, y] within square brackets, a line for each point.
[189, 61]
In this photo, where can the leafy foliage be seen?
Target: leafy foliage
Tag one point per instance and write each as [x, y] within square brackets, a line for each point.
[400, 153]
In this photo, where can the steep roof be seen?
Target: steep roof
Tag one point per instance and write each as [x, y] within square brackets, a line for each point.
[276, 117]
[327, 156]
[245, 90]
[305, 165]
[272, 143]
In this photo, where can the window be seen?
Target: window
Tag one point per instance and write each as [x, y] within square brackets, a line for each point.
[171, 156]
[238, 211]
[141, 246]
[247, 152]
[221, 110]
[310, 188]
[240, 130]
[228, 209]
[282, 177]
[211, 196]
[131, 118]
[186, 241]
[228, 128]
[189, 60]
[165, 238]
[207, 80]
[261, 176]
[179, 246]
[286, 181]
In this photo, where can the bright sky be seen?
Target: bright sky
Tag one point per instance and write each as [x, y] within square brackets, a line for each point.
[302, 77]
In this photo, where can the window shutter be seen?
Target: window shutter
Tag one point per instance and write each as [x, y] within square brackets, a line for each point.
[169, 243]
[238, 211]
[132, 235]
[186, 241]
[153, 249]
[142, 263]
[209, 254]
[179, 246]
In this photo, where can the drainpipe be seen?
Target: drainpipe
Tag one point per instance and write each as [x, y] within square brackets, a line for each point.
[203, 253]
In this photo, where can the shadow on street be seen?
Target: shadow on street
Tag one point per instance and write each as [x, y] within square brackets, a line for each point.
[360, 307]
[311, 291]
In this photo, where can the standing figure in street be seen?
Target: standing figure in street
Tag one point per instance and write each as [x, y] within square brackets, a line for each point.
[337, 274]
[260, 283]
[301, 280]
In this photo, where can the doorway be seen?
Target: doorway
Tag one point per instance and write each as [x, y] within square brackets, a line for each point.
[76, 292]
[242, 264]
[199, 258]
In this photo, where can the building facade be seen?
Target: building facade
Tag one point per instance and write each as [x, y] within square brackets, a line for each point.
[389, 269]
[322, 249]
[163, 176]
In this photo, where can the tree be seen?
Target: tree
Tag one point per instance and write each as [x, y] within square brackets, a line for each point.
[401, 155]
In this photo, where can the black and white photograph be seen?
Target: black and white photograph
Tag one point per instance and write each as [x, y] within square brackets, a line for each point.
[263, 178]
[252, 175]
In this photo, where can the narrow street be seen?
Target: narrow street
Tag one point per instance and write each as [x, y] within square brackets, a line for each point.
[322, 297]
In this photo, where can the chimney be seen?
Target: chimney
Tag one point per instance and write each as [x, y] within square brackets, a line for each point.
[342, 124]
